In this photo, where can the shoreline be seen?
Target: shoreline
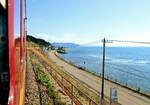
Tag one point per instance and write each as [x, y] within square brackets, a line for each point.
[112, 81]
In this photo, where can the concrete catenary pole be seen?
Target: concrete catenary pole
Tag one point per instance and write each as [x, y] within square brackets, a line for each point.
[103, 70]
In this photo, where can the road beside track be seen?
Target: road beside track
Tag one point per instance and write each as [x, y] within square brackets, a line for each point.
[125, 96]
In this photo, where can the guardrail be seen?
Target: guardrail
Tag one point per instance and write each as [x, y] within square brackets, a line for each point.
[76, 94]
[81, 94]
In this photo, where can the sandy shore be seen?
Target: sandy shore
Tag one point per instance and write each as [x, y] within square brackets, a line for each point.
[125, 96]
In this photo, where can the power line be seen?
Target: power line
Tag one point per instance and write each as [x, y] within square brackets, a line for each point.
[125, 41]
[113, 41]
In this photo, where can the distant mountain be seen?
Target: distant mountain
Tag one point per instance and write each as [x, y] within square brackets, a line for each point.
[67, 45]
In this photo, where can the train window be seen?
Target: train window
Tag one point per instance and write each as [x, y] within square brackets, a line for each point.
[3, 39]
[4, 55]
[17, 32]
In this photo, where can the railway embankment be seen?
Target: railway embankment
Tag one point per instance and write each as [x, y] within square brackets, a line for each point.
[72, 86]
[41, 89]
[32, 95]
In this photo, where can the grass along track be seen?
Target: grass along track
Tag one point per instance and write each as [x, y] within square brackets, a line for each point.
[84, 91]
[54, 95]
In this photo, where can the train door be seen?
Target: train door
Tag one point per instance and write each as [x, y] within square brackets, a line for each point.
[4, 55]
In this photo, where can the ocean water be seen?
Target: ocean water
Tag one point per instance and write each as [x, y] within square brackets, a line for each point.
[127, 65]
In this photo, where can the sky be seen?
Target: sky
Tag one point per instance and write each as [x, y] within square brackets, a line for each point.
[84, 21]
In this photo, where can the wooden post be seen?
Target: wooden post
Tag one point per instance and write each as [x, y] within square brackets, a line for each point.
[55, 74]
[89, 101]
[62, 81]
[72, 94]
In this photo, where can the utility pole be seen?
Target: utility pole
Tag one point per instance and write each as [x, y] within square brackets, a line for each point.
[103, 69]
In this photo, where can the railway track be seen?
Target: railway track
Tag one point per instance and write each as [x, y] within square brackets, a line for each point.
[88, 100]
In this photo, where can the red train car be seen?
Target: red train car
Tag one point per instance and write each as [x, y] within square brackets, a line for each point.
[12, 52]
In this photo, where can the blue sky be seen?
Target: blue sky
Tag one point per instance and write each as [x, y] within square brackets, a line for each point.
[83, 21]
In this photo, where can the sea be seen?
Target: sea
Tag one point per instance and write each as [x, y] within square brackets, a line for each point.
[127, 65]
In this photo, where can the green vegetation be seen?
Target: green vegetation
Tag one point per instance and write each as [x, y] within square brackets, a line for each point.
[80, 95]
[43, 79]
[38, 41]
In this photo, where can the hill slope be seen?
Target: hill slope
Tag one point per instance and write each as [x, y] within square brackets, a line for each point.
[38, 41]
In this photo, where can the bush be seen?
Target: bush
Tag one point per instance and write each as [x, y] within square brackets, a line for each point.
[43, 78]
[60, 103]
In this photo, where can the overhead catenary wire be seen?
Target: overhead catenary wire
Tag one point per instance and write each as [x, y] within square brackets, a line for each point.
[125, 41]
[97, 42]
[122, 41]
[116, 68]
